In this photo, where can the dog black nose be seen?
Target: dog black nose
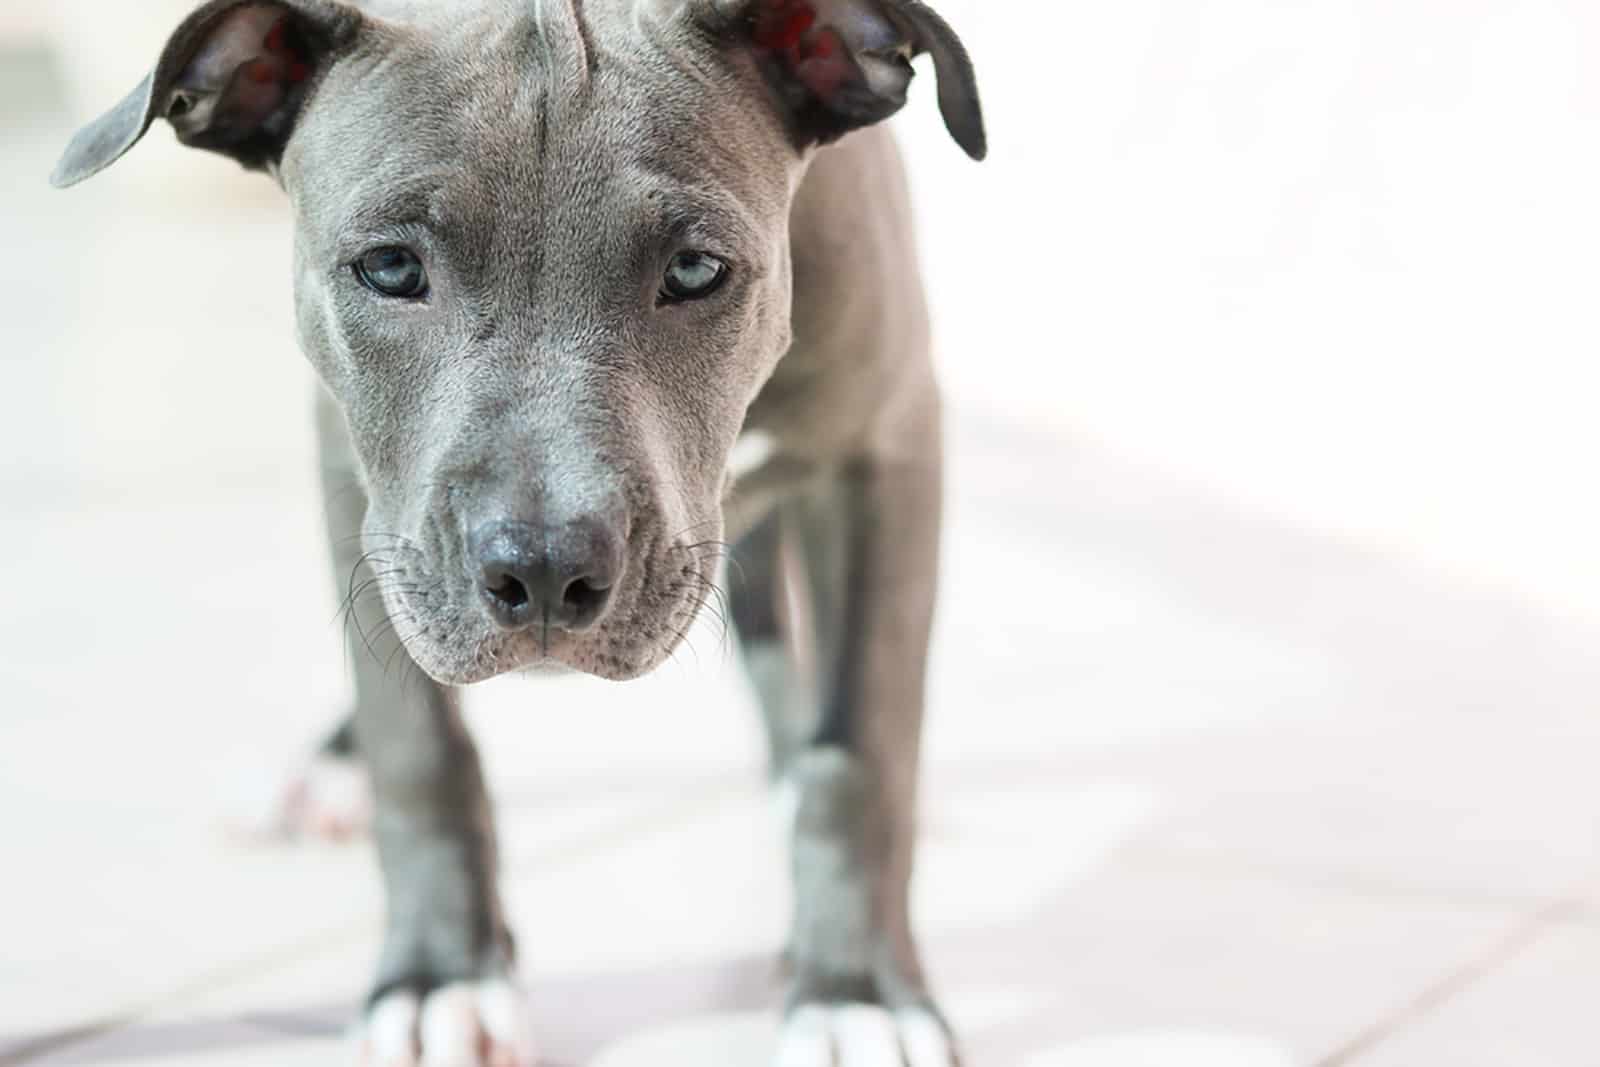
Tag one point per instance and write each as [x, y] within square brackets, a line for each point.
[536, 576]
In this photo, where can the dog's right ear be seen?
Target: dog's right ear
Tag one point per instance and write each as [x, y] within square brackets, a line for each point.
[232, 79]
[836, 65]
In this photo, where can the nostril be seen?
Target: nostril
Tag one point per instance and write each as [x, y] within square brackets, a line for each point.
[584, 598]
[553, 577]
[507, 589]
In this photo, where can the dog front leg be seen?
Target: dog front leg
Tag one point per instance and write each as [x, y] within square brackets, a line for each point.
[445, 991]
[870, 545]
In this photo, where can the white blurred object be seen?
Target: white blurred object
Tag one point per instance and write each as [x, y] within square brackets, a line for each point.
[325, 797]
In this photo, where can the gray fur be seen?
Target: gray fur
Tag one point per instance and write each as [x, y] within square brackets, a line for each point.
[546, 158]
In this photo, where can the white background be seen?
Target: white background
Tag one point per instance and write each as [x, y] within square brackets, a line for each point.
[1336, 258]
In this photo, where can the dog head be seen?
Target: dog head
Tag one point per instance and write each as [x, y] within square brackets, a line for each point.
[542, 264]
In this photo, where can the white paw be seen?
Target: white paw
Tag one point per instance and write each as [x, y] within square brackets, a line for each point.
[857, 1035]
[328, 797]
[483, 1024]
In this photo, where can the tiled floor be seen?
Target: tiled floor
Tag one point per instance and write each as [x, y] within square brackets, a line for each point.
[1215, 792]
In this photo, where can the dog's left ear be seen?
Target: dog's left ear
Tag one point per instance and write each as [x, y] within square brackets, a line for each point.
[232, 79]
[837, 65]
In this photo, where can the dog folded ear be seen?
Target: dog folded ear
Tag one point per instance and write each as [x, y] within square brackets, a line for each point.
[232, 79]
[837, 65]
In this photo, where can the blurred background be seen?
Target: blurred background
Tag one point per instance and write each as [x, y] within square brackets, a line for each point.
[1270, 344]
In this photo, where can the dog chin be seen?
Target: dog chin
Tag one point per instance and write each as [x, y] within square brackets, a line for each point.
[522, 655]
[495, 657]
[547, 668]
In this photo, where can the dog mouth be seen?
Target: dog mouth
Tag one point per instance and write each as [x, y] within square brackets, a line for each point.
[439, 621]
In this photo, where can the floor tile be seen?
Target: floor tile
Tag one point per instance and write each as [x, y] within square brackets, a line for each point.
[246, 1046]
[1439, 744]
[651, 943]
[1533, 1009]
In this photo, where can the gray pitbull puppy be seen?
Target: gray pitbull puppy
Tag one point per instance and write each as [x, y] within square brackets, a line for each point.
[592, 301]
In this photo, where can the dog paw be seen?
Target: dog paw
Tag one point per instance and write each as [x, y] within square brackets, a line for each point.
[480, 1024]
[327, 798]
[861, 1035]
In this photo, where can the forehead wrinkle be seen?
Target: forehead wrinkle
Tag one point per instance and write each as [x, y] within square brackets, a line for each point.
[564, 41]
[690, 206]
[414, 199]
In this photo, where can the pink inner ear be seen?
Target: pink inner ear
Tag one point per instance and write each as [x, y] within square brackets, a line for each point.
[291, 65]
[278, 37]
[816, 54]
[242, 35]
[284, 63]
[825, 63]
[782, 23]
[250, 59]
[263, 81]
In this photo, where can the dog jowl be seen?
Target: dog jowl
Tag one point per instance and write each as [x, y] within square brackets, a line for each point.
[602, 293]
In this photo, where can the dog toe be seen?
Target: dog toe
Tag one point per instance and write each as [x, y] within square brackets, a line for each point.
[505, 1024]
[391, 1033]
[925, 1040]
[806, 1040]
[481, 1024]
[451, 1035]
[865, 1037]
[861, 1035]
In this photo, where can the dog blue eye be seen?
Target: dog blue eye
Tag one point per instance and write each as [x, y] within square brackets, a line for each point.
[691, 276]
[393, 271]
